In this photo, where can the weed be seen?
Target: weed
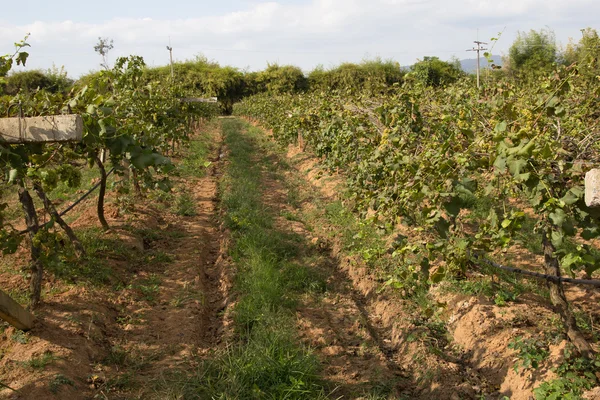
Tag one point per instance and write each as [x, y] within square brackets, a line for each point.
[576, 375]
[503, 296]
[148, 288]
[58, 381]
[380, 391]
[293, 196]
[20, 337]
[185, 205]
[158, 257]
[195, 162]
[531, 352]
[94, 268]
[118, 356]
[71, 318]
[20, 296]
[161, 199]
[133, 319]
[123, 381]
[290, 216]
[40, 362]
[185, 295]
[587, 323]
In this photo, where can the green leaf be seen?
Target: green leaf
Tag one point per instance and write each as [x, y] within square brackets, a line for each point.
[558, 217]
[526, 149]
[515, 166]
[569, 260]
[500, 163]
[12, 175]
[557, 239]
[553, 102]
[22, 58]
[573, 195]
[523, 177]
[500, 127]
[438, 275]
[546, 151]
[454, 206]
[590, 233]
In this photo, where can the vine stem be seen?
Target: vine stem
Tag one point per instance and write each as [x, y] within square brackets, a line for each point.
[101, 193]
[49, 207]
[559, 301]
[36, 266]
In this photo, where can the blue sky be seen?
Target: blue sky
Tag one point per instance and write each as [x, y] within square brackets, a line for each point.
[250, 34]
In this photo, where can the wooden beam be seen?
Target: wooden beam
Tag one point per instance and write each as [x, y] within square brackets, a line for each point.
[14, 314]
[199, 100]
[54, 128]
[592, 188]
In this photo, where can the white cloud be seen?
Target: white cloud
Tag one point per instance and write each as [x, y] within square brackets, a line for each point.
[316, 32]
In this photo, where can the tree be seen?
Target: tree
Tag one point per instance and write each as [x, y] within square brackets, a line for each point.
[27, 81]
[586, 53]
[282, 79]
[432, 71]
[533, 53]
[369, 74]
[103, 46]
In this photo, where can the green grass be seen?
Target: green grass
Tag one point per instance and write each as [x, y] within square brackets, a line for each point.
[266, 360]
[185, 205]
[58, 381]
[40, 362]
[360, 237]
[148, 288]
[20, 337]
[196, 161]
[93, 269]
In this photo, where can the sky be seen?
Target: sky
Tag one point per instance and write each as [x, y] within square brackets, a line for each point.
[252, 34]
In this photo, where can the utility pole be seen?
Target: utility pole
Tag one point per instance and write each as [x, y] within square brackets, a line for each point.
[171, 57]
[478, 49]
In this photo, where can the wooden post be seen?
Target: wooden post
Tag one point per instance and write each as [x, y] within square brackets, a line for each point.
[592, 188]
[55, 128]
[14, 314]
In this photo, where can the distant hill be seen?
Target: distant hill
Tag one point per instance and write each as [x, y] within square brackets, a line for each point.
[470, 65]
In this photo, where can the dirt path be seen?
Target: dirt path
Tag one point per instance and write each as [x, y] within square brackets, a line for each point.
[356, 361]
[369, 343]
[157, 311]
[188, 300]
[184, 320]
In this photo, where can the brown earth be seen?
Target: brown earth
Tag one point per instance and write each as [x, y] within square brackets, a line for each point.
[114, 342]
[335, 325]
